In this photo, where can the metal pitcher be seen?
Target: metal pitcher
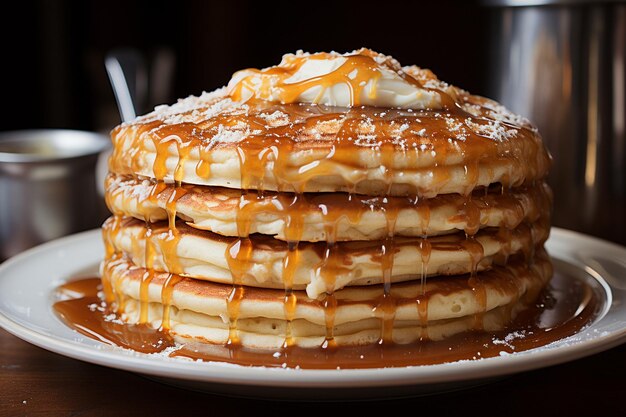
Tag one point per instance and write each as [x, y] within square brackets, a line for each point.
[562, 65]
[48, 186]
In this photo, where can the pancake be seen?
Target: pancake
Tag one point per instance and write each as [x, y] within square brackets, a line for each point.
[260, 261]
[208, 312]
[307, 147]
[324, 217]
[330, 200]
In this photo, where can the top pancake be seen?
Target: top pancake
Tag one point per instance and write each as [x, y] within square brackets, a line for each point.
[297, 147]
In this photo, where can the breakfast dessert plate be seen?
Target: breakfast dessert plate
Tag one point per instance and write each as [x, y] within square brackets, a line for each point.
[27, 293]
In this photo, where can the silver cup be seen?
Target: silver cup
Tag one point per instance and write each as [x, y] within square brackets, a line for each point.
[48, 186]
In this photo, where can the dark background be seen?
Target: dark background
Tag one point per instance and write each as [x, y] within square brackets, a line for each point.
[54, 74]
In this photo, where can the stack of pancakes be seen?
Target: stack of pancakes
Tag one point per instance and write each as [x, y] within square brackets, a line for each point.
[271, 224]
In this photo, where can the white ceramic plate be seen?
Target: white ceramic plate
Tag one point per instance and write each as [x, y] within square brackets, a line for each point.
[27, 284]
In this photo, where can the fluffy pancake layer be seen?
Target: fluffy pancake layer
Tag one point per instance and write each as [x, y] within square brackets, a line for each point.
[213, 140]
[442, 306]
[260, 261]
[347, 217]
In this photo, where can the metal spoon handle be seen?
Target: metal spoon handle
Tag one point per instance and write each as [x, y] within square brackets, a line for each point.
[127, 74]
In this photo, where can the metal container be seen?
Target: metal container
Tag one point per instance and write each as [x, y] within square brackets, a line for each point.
[48, 186]
[562, 65]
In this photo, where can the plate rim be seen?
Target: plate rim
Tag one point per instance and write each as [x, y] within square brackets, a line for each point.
[223, 373]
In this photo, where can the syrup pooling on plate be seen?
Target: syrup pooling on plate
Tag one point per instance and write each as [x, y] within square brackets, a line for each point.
[565, 307]
[378, 138]
[92, 316]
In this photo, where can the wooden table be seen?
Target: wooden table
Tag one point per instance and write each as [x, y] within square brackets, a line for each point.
[36, 382]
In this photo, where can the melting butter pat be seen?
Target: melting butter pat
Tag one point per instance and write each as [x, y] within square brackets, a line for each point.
[358, 78]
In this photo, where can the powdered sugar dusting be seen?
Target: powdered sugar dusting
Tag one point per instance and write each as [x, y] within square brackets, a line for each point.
[193, 109]
[277, 118]
[225, 135]
[492, 129]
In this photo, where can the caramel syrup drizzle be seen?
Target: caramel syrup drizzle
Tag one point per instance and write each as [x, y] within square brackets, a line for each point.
[294, 225]
[327, 268]
[387, 152]
[167, 241]
[148, 276]
[108, 237]
[238, 255]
